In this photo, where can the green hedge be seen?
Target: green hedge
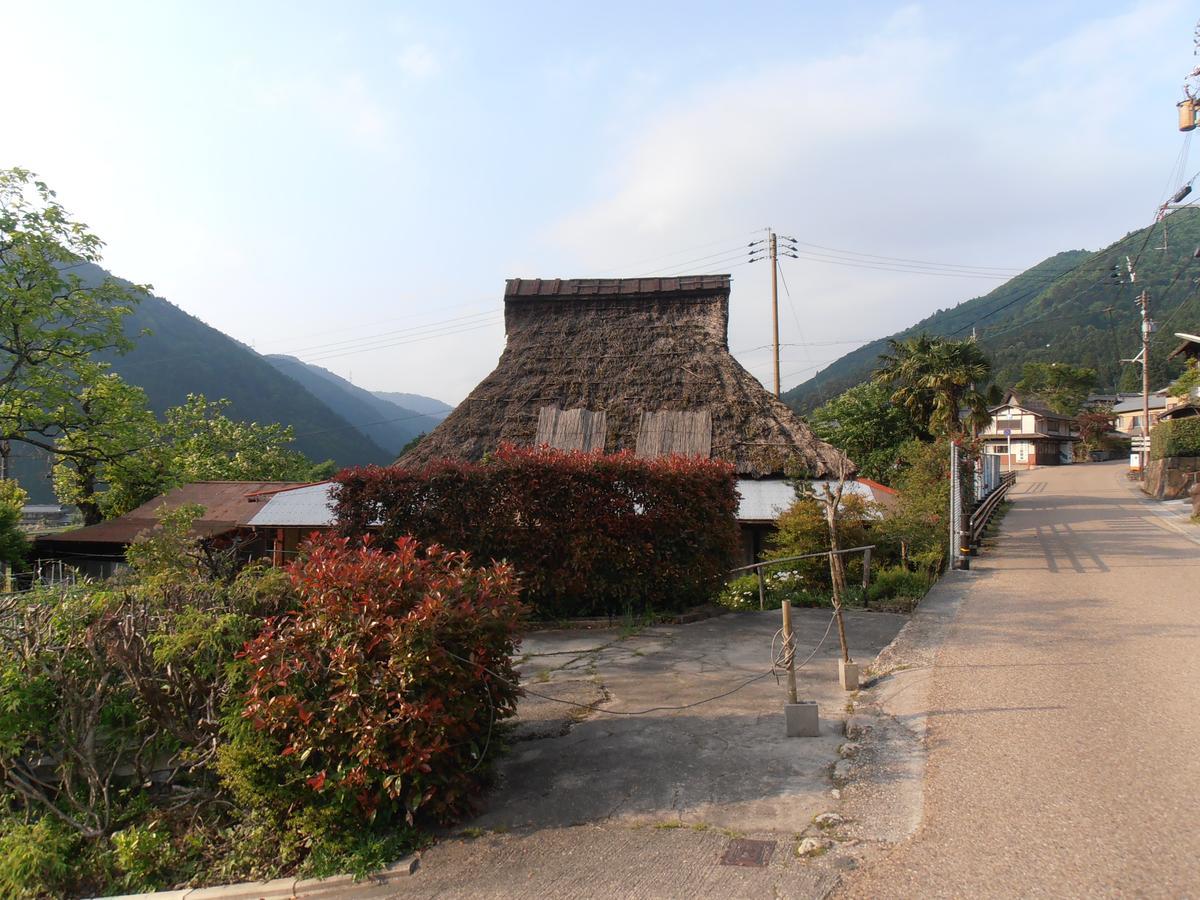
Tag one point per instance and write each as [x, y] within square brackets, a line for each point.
[1175, 437]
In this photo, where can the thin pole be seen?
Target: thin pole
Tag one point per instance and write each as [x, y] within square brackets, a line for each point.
[953, 506]
[789, 650]
[775, 303]
[1144, 452]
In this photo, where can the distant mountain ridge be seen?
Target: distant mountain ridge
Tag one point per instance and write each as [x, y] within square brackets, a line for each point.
[181, 355]
[1066, 309]
[384, 421]
[435, 409]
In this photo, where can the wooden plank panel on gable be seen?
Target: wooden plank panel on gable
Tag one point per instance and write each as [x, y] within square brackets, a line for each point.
[671, 432]
[571, 429]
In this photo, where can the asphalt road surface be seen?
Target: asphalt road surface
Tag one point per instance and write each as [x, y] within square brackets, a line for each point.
[1064, 709]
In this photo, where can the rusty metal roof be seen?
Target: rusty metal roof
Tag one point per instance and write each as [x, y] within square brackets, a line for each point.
[227, 505]
[592, 287]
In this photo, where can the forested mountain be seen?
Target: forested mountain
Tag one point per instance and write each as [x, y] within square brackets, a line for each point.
[175, 354]
[1065, 309]
[435, 409]
[384, 421]
[182, 355]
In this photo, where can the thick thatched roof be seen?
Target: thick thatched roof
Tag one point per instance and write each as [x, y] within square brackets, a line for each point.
[627, 363]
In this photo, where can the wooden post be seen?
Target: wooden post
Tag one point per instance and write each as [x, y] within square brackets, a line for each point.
[277, 550]
[762, 594]
[789, 648]
[866, 568]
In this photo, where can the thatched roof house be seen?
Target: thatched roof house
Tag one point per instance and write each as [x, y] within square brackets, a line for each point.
[637, 364]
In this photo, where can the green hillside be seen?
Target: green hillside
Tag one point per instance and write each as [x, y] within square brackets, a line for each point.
[182, 355]
[1065, 309]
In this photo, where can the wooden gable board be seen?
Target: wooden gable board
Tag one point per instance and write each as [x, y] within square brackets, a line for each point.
[571, 429]
[675, 432]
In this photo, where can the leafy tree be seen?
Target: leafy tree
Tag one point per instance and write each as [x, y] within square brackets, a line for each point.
[1093, 426]
[13, 544]
[1187, 382]
[1061, 387]
[934, 378]
[865, 424]
[121, 456]
[109, 423]
[50, 322]
[916, 529]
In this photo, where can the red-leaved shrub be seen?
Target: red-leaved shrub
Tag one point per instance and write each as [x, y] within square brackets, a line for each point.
[589, 533]
[380, 687]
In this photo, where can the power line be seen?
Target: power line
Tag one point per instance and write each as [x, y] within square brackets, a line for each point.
[902, 259]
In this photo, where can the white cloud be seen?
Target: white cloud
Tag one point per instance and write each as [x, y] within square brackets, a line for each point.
[344, 104]
[418, 61]
[900, 146]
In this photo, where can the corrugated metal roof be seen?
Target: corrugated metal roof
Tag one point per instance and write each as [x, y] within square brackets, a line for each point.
[227, 505]
[310, 506]
[763, 499]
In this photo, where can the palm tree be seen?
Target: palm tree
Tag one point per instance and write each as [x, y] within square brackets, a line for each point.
[935, 379]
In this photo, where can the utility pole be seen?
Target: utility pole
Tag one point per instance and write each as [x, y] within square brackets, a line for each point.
[768, 249]
[773, 251]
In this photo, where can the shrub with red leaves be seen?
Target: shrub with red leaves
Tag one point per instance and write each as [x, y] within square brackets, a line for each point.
[589, 533]
[383, 687]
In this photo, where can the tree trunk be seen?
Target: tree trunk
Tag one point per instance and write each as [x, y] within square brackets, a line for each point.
[837, 570]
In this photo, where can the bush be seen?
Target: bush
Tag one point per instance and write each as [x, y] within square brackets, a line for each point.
[114, 696]
[897, 582]
[803, 530]
[383, 690]
[915, 531]
[1175, 437]
[37, 860]
[588, 533]
[740, 593]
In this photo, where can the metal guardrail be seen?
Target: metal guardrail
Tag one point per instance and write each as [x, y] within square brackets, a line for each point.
[982, 513]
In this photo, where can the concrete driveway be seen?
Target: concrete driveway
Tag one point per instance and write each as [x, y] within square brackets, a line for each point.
[600, 804]
[1057, 702]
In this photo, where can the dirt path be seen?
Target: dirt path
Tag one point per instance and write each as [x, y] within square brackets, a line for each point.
[1063, 709]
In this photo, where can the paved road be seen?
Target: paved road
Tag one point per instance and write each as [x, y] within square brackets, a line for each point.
[1064, 723]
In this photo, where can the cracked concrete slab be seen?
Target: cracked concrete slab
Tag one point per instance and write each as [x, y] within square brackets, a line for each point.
[635, 799]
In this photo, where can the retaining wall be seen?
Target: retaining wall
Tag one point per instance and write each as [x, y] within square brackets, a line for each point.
[1171, 478]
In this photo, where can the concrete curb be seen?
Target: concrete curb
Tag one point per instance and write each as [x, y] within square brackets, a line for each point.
[286, 887]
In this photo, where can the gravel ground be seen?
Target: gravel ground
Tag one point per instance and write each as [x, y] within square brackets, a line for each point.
[1059, 714]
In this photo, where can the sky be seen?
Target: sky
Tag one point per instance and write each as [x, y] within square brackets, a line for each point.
[352, 183]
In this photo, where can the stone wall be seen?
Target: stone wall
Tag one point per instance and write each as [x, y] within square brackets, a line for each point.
[1171, 478]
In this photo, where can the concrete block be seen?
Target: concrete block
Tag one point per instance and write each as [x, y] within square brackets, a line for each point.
[848, 675]
[801, 719]
[347, 885]
[254, 890]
